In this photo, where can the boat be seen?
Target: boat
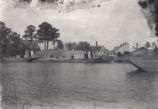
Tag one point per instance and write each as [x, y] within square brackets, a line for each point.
[31, 59]
[103, 59]
[144, 59]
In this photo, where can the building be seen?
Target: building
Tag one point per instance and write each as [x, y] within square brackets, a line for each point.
[123, 49]
[97, 51]
[63, 54]
[31, 49]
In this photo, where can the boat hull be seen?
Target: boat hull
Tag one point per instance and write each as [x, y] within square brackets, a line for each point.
[146, 60]
[148, 64]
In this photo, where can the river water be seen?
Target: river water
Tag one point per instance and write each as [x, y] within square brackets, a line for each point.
[77, 86]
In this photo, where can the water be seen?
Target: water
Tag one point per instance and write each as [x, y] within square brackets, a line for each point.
[77, 86]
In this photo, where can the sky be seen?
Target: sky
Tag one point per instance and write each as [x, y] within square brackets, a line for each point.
[115, 22]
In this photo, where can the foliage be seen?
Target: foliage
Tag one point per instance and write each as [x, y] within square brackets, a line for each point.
[60, 44]
[4, 38]
[30, 33]
[147, 45]
[10, 42]
[83, 46]
[71, 46]
[15, 44]
[47, 33]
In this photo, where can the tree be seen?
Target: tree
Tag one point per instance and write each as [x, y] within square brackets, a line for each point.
[71, 45]
[30, 33]
[147, 45]
[83, 46]
[10, 42]
[15, 43]
[55, 35]
[47, 33]
[60, 44]
[4, 39]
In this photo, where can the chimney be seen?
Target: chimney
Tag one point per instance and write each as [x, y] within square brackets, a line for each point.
[96, 43]
[137, 46]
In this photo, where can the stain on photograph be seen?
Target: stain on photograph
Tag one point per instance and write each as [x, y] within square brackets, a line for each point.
[79, 54]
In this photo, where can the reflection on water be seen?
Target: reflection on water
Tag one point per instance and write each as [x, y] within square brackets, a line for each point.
[143, 86]
[91, 85]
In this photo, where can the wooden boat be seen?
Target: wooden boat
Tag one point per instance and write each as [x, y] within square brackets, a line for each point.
[103, 59]
[144, 59]
[30, 59]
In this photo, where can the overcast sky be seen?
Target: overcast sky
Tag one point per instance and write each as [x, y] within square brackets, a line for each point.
[116, 21]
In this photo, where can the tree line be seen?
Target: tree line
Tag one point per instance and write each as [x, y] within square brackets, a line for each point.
[11, 43]
[46, 33]
[81, 46]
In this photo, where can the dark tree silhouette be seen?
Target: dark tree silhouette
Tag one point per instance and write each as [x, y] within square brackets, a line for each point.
[55, 34]
[60, 44]
[84, 46]
[15, 43]
[71, 46]
[30, 33]
[46, 33]
[9, 41]
[4, 39]
[147, 45]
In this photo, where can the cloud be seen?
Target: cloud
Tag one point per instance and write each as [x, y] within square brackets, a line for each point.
[113, 23]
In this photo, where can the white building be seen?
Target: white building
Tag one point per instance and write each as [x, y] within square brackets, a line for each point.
[124, 48]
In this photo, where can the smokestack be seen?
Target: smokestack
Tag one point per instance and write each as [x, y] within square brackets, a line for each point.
[137, 46]
[96, 43]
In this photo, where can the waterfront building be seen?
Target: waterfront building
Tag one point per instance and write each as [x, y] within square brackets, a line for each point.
[97, 51]
[31, 49]
[123, 49]
[63, 54]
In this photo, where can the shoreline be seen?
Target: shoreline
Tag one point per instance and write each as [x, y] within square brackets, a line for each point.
[92, 60]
